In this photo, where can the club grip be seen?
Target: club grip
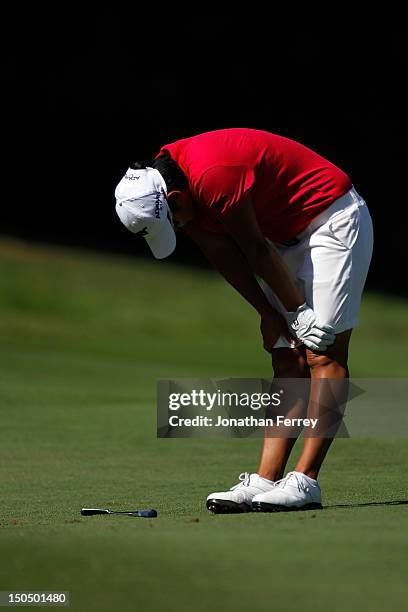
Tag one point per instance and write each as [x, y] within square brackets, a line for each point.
[93, 511]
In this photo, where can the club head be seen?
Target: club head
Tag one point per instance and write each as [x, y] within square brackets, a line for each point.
[150, 513]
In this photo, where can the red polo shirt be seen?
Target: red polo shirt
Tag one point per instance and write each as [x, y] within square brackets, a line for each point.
[289, 185]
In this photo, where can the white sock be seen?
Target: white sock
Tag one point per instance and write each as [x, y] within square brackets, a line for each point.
[266, 480]
[308, 477]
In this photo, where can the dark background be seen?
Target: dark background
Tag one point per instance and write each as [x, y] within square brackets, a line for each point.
[85, 93]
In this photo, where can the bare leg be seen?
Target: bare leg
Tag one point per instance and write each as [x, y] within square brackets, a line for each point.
[331, 365]
[287, 363]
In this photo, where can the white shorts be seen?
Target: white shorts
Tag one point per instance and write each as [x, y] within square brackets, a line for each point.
[330, 263]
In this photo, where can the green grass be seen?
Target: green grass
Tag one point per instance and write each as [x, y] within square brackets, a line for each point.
[83, 339]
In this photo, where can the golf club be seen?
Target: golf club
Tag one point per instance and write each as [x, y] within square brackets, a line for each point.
[149, 513]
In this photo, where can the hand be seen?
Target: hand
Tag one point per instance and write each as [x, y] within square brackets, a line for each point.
[273, 325]
[308, 330]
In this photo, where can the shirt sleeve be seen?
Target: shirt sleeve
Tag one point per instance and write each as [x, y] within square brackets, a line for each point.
[222, 187]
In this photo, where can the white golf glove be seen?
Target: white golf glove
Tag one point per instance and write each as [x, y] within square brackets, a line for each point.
[308, 330]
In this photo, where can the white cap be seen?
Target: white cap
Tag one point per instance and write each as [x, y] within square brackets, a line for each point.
[141, 205]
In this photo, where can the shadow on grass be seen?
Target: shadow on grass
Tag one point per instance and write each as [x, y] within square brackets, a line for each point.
[395, 502]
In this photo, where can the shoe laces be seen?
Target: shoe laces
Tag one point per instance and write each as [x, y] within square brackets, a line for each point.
[301, 486]
[245, 479]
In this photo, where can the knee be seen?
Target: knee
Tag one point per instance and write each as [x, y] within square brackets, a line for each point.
[336, 356]
[316, 360]
[326, 364]
[289, 363]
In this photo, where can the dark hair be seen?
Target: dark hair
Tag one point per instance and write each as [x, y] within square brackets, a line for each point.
[173, 175]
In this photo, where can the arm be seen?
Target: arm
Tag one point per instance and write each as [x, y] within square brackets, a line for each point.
[262, 257]
[265, 261]
[225, 255]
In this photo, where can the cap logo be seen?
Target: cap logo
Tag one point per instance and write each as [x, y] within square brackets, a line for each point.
[158, 205]
[131, 177]
[142, 232]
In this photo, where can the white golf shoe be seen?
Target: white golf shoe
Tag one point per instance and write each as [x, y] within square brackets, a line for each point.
[294, 492]
[239, 497]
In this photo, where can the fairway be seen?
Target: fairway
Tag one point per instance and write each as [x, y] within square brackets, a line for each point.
[83, 339]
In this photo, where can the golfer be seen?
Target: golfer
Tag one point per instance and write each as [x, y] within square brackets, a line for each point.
[287, 229]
